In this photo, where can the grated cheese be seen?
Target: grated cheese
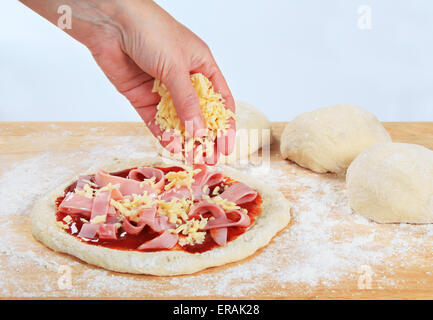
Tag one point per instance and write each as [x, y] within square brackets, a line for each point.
[99, 219]
[87, 191]
[109, 187]
[216, 190]
[176, 209]
[180, 179]
[223, 203]
[190, 230]
[67, 219]
[151, 182]
[215, 114]
[131, 209]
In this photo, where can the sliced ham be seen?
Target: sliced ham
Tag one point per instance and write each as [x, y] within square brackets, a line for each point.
[165, 240]
[88, 230]
[206, 178]
[82, 180]
[148, 217]
[148, 173]
[221, 220]
[107, 231]
[76, 204]
[112, 216]
[101, 204]
[127, 186]
[131, 229]
[207, 207]
[224, 222]
[239, 193]
[219, 236]
[179, 193]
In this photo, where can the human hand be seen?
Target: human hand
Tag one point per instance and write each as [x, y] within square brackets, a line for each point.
[135, 42]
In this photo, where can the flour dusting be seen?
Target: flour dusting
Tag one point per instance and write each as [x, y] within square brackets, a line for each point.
[326, 243]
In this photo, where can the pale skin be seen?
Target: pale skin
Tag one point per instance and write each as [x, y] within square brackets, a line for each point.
[135, 42]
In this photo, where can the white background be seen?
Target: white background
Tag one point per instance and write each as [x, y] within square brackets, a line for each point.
[285, 57]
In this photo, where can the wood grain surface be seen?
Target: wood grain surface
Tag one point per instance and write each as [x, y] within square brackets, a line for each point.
[21, 141]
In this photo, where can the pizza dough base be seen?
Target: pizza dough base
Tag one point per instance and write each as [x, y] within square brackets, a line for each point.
[392, 182]
[274, 217]
[330, 138]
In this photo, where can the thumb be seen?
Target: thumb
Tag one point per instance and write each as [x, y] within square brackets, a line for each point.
[185, 102]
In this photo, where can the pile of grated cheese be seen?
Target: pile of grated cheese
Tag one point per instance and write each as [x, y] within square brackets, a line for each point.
[181, 178]
[190, 230]
[132, 209]
[215, 115]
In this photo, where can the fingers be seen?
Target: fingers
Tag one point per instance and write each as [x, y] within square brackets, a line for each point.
[142, 95]
[226, 141]
[167, 139]
[185, 101]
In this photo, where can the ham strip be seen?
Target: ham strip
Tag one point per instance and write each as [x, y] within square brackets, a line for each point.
[179, 193]
[76, 204]
[148, 217]
[239, 193]
[88, 230]
[131, 229]
[204, 207]
[127, 186]
[224, 222]
[82, 180]
[219, 236]
[221, 220]
[206, 178]
[165, 240]
[101, 204]
[148, 173]
[107, 231]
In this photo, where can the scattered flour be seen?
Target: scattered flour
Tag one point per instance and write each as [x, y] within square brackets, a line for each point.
[325, 244]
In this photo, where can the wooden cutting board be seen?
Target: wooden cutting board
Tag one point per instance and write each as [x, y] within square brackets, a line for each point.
[363, 259]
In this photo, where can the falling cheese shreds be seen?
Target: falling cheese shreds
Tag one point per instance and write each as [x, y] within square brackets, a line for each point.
[215, 115]
[181, 178]
[176, 209]
[190, 230]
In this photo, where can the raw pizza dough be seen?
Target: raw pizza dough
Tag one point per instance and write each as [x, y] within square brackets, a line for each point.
[274, 217]
[393, 182]
[330, 138]
[253, 131]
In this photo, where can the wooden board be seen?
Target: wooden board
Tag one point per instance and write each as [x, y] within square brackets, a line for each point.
[28, 269]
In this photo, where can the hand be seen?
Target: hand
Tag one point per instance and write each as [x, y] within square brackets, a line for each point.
[135, 42]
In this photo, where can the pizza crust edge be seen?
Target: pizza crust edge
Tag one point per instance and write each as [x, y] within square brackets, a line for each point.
[274, 217]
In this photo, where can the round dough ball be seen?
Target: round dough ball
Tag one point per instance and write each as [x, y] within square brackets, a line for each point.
[253, 131]
[393, 182]
[330, 138]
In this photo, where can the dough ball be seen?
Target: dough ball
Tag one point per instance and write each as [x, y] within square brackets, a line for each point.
[253, 131]
[330, 138]
[393, 182]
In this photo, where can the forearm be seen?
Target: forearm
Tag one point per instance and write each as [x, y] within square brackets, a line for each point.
[92, 17]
